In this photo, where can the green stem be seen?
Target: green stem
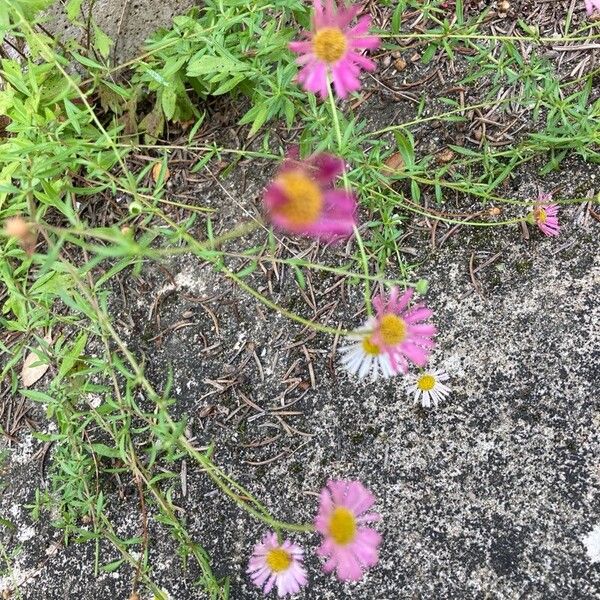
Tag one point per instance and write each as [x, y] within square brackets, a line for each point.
[258, 510]
[363, 254]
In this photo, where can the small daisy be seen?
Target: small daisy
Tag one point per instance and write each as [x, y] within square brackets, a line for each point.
[401, 332]
[349, 546]
[393, 337]
[302, 198]
[427, 387]
[333, 49]
[277, 564]
[363, 357]
[545, 215]
[593, 8]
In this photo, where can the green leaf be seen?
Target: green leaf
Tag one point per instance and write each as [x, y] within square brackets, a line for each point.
[72, 356]
[73, 114]
[8, 524]
[299, 277]
[107, 451]
[208, 65]
[259, 120]
[73, 8]
[28, 8]
[429, 53]
[168, 101]
[102, 42]
[227, 86]
[87, 62]
[112, 566]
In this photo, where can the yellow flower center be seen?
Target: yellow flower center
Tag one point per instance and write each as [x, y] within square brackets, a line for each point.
[278, 560]
[304, 199]
[541, 215]
[342, 526]
[392, 329]
[329, 44]
[370, 347]
[426, 382]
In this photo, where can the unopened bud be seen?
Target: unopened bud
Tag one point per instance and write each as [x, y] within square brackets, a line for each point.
[17, 227]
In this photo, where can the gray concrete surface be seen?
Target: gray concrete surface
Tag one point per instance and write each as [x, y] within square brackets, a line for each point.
[127, 22]
[491, 495]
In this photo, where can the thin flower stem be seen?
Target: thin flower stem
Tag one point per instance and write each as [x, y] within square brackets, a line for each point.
[239, 231]
[258, 511]
[363, 254]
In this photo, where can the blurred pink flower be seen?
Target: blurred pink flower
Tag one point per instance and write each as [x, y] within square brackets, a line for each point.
[302, 200]
[592, 7]
[277, 564]
[333, 49]
[349, 547]
[545, 214]
[400, 332]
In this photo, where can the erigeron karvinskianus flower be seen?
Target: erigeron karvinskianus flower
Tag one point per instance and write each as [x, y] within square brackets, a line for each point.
[302, 198]
[362, 357]
[545, 215]
[349, 546]
[333, 49]
[273, 564]
[393, 337]
[427, 387]
[592, 8]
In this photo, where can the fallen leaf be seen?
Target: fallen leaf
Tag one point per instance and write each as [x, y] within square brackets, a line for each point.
[400, 64]
[445, 156]
[394, 164]
[31, 374]
[156, 169]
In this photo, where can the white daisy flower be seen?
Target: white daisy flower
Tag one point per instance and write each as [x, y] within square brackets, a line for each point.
[364, 357]
[427, 387]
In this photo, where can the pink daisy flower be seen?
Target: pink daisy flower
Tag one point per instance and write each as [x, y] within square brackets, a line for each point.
[545, 215]
[593, 8]
[400, 332]
[277, 564]
[302, 200]
[333, 49]
[348, 546]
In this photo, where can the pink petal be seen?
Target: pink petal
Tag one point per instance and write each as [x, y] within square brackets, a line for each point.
[423, 329]
[328, 167]
[367, 42]
[340, 204]
[270, 583]
[344, 81]
[379, 304]
[345, 16]
[365, 546]
[402, 303]
[359, 498]
[414, 353]
[348, 565]
[273, 197]
[369, 518]
[304, 47]
[418, 313]
[363, 25]
[338, 491]
[329, 228]
[362, 61]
